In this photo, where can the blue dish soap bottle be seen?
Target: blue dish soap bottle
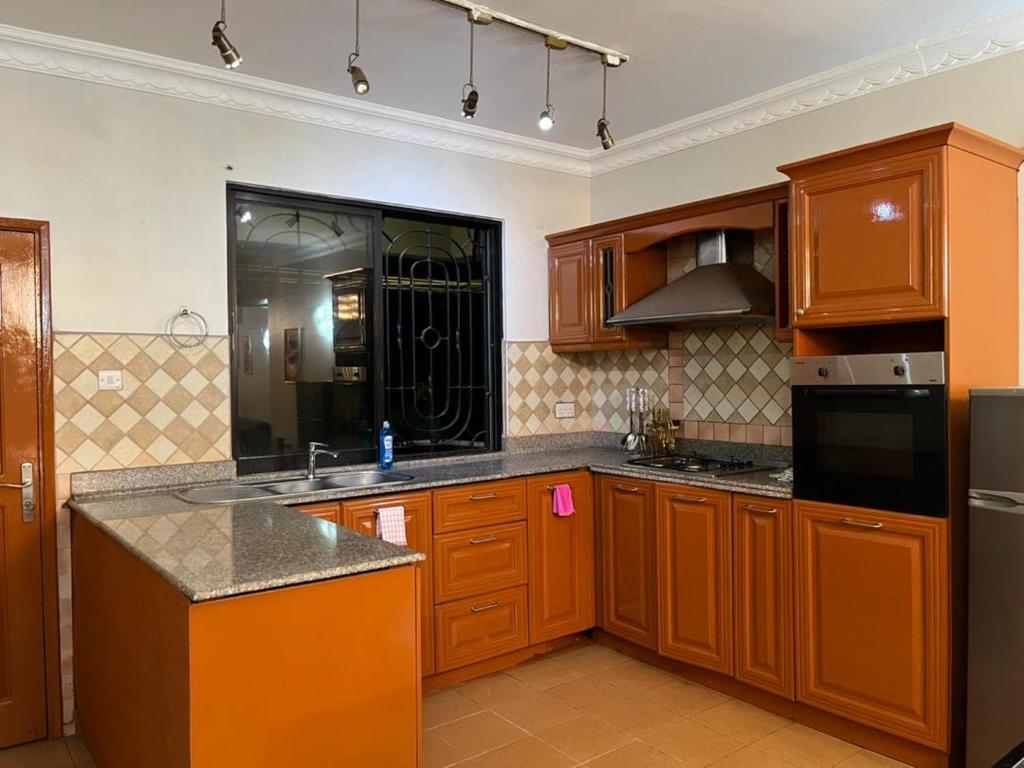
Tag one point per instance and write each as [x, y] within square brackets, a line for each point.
[387, 446]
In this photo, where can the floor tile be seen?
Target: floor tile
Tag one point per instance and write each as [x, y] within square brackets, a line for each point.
[593, 658]
[585, 737]
[479, 733]
[635, 755]
[447, 705]
[866, 759]
[805, 748]
[524, 753]
[536, 711]
[635, 677]
[740, 721]
[749, 757]
[39, 754]
[545, 673]
[588, 693]
[79, 752]
[494, 689]
[635, 715]
[438, 753]
[691, 743]
[685, 698]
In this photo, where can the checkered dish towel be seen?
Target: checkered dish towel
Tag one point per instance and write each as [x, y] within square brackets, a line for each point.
[391, 525]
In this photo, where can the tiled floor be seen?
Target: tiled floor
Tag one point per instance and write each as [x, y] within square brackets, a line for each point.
[595, 707]
[63, 753]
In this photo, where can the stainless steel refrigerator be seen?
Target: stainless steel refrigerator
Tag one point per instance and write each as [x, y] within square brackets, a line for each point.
[995, 645]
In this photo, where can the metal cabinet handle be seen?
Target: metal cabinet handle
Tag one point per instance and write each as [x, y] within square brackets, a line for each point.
[760, 510]
[691, 499]
[627, 488]
[485, 540]
[483, 497]
[798, 312]
[28, 492]
[552, 488]
[858, 524]
[485, 607]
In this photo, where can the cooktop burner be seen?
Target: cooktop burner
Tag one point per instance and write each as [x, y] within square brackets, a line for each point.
[697, 464]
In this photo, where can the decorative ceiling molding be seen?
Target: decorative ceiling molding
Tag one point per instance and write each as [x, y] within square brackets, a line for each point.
[986, 40]
[48, 54]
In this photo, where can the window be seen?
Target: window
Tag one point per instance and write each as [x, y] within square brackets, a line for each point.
[346, 314]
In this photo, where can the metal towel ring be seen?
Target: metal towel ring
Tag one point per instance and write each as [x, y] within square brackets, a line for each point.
[187, 340]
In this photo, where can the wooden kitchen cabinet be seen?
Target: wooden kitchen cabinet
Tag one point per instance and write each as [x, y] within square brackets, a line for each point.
[329, 511]
[629, 580]
[592, 280]
[695, 572]
[470, 563]
[561, 555]
[872, 605]
[361, 515]
[479, 628]
[763, 582]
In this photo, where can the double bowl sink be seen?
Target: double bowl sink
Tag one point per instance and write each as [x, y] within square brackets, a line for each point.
[231, 493]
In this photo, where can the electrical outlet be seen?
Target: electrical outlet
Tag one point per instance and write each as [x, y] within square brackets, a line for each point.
[565, 410]
[111, 380]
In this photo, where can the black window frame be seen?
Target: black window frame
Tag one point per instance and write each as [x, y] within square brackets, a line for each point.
[237, 194]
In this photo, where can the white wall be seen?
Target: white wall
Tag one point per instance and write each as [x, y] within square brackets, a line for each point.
[134, 188]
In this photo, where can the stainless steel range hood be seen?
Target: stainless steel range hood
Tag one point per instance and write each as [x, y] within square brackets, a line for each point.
[724, 288]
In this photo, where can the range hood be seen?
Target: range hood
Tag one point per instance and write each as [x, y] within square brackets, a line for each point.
[724, 288]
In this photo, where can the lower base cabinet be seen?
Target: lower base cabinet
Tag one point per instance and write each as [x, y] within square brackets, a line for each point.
[872, 604]
[480, 628]
[763, 584]
[695, 572]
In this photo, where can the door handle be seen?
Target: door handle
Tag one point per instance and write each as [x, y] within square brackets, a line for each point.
[627, 488]
[691, 499]
[484, 540]
[485, 607]
[760, 510]
[858, 524]
[483, 496]
[28, 492]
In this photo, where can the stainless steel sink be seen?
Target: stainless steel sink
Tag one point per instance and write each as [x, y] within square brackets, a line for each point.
[235, 492]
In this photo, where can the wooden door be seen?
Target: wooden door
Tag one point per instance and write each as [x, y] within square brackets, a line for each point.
[361, 516]
[629, 582]
[608, 288]
[869, 242]
[872, 601]
[570, 289]
[763, 571]
[561, 555]
[23, 363]
[695, 568]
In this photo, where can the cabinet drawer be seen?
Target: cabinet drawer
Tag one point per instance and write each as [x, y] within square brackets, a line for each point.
[330, 511]
[477, 561]
[480, 504]
[480, 628]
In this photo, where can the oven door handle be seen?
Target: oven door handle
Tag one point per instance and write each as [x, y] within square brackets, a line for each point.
[888, 392]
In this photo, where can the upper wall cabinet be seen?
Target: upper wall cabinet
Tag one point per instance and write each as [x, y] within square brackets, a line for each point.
[869, 226]
[589, 282]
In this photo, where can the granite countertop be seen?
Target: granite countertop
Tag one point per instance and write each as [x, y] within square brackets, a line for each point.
[211, 552]
[219, 550]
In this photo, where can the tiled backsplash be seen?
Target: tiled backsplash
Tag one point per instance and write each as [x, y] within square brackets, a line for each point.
[537, 379]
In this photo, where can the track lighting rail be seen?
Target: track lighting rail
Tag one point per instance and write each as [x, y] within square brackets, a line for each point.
[610, 56]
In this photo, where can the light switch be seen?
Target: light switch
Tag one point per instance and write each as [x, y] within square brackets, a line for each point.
[565, 410]
[110, 380]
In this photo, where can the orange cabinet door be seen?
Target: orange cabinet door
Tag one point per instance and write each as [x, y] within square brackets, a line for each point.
[695, 568]
[629, 581]
[763, 568]
[872, 602]
[607, 294]
[361, 515]
[482, 560]
[561, 555]
[868, 242]
[570, 288]
[331, 511]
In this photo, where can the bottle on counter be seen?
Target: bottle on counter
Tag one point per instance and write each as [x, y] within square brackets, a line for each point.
[386, 446]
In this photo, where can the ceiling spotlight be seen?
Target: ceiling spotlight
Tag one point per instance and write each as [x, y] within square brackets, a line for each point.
[232, 58]
[470, 95]
[547, 117]
[603, 128]
[359, 81]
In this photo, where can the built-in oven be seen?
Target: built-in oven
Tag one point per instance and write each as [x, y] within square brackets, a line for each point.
[870, 431]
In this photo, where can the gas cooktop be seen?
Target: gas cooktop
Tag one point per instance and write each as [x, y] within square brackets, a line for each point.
[696, 464]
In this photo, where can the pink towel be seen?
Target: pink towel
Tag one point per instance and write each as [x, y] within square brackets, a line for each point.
[391, 525]
[562, 497]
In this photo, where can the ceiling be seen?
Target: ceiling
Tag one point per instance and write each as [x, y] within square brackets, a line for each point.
[686, 57]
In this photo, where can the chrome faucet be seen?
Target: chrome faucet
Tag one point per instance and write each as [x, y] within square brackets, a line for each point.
[317, 449]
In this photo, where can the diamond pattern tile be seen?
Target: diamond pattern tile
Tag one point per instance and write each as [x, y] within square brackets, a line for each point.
[173, 407]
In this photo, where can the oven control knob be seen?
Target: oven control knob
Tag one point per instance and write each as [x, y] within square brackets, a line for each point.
[823, 372]
[899, 370]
